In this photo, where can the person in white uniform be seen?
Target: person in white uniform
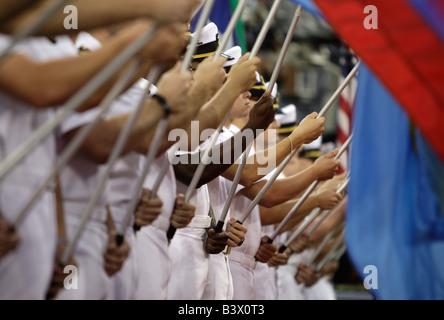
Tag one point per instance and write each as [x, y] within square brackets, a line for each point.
[79, 180]
[39, 75]
[190, 260]
[154, 260]
[244, 258]
[37, 233]
[220, 282]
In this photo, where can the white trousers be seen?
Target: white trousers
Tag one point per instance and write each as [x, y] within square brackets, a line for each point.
[26, 272]
[124, 283]
[287, 287]
[321, 290]
[190, 265]
[153, 263]
[93, 282]
[265, 282]
[220, 281]
[243, 282]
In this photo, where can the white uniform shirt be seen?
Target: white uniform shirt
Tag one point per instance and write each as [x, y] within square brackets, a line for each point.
[18, 121]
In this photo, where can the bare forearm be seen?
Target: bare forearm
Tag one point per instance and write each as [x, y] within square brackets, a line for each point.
[52, 83]
[182, 120]
[100, 143]
[259, 164]
[336, 217]
[281, 190]
[260, 160]
[223, 155]
[214, 111]
[91, 14]
[276, 214]
[10, 9]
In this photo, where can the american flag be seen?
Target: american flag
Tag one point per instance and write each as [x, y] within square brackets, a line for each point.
[346, 104]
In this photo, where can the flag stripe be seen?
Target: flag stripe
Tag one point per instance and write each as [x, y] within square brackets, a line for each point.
[346, 103]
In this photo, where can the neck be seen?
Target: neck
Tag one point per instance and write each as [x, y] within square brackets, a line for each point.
[228, 122]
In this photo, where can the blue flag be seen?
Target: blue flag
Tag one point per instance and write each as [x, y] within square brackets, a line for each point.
[395, 227]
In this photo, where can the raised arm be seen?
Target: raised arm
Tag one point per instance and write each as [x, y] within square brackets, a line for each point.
[97, 13]
[231, 149]
[52, 83]
[288, 188]
[100, 143]
[258, 166]
[325, 200]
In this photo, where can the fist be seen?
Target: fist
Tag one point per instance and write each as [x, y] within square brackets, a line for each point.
[265, 251]
[9, 239]
[148, 209]
[236, 233]
[216, 242]
[183, 213]
[262, 114]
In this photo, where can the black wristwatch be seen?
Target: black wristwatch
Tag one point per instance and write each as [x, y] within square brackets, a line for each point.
[163, 103]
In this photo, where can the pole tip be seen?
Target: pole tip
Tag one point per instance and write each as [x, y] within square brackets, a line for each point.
[298, 11]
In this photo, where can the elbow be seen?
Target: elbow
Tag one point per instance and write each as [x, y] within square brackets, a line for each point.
[43, 98]
[246, 180]
[268, 200]
[98, 155]
[99, 158]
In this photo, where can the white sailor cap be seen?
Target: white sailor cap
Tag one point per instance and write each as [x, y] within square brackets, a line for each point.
[236, 53]
[208, 42]
[259, 87]
[312, 150]
[288, 119]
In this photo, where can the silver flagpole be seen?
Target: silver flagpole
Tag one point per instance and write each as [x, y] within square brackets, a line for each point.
[160, 177]
[327, 106]
[163, 172]
[230, 28]
[291, 155]
[339, 253]
[115, 154]
[238, 175]
[214, 137]
[150, 156]
[261, 37]
[254, 52]
[206, 11]
[33, 26]
[324, 242]
[78, 140]
[322, 218]
[205, 157]
[285, 47]
[305, 196]
[187, 61]
[74, 102]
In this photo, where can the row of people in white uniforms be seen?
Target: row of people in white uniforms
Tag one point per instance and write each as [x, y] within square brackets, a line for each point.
[153, 267]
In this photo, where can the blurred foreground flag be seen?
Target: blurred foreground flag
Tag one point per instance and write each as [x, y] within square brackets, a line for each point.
[395, 226]
[395, 218]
